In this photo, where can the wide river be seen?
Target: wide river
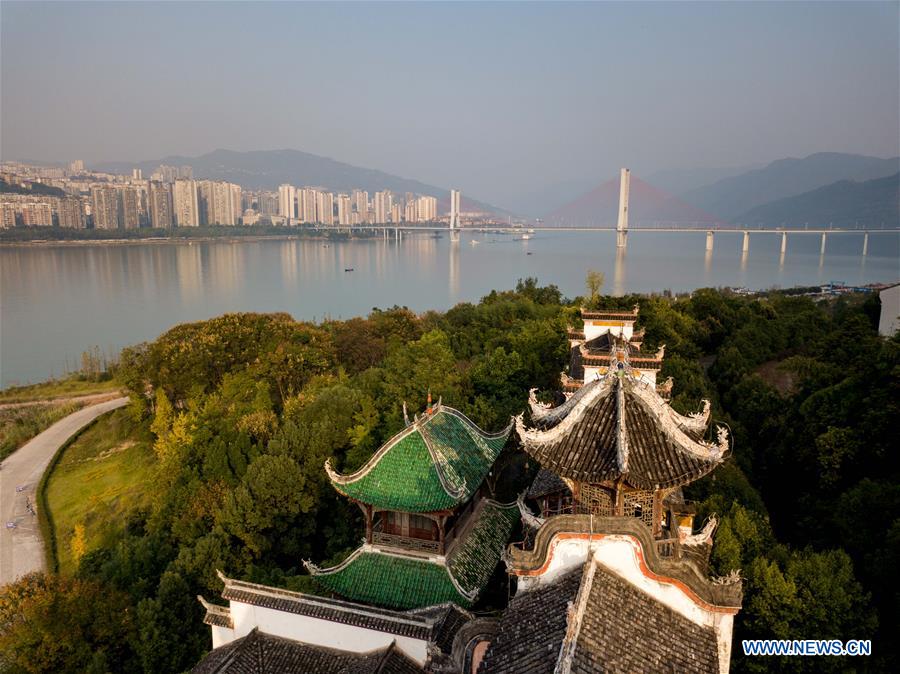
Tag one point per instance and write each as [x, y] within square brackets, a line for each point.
[58, 300]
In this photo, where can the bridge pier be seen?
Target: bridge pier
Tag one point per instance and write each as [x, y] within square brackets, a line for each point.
[709, 240]
[783, 242]
[865, 244]
[621, 238]
[745, 247]
[822, 250]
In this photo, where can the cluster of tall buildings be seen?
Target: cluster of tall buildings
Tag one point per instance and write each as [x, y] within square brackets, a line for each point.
[310, 205]
[76, 198]
[171, 197]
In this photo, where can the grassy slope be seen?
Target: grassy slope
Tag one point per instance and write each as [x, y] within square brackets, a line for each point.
[55, 388]
[19, 425]
[101, 477]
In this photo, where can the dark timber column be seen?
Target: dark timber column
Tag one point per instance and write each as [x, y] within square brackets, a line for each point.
[442, 521]
[657, 512]
[620, 499]
[367, 511]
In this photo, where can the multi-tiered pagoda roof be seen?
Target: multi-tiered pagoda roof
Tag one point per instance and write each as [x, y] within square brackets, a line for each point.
[431, 536]
[435, 464]
[618, 427]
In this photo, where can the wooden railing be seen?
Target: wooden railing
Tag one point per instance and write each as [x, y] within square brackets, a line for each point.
[405, 542]
[669, 548]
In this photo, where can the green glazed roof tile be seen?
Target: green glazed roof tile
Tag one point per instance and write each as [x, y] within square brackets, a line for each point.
[474, 562]
[434, 464]
[376, 577]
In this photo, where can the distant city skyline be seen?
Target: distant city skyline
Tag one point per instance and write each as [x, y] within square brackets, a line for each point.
[502, 100]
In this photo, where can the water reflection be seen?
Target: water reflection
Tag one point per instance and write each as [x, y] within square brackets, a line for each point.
[56, 301]
[453, 279]
[619, 273]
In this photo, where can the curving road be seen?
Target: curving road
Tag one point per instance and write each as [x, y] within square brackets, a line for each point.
[21, 547]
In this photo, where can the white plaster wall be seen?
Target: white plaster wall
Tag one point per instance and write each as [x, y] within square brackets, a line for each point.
[596, 328]
[319, 632]
[890, 311]
[221, 635]
[591, 372]
[564, 555]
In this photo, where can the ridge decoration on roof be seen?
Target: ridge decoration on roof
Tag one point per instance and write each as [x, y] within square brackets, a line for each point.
[618, 426]
[400, 581]
[434, 464]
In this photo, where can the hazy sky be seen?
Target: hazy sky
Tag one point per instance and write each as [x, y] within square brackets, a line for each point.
[502, 100]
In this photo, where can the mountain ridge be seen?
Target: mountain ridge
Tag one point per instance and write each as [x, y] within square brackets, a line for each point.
[844, 203]
[267, 169]
[732, 196]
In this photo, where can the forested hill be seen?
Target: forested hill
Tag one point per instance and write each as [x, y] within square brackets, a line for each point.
[37, 189]
[245, 409]
[872, 203]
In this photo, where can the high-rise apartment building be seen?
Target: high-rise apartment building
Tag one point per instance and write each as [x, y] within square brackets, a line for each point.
[37, 214]
[267, 203]
[361, 204]
[382, 206]
[345, 210]
[220, 202]
[205, 204]
[160, 198]
[129, 206]
[187, 207]
[325, 208]
[308, 205]
[236, 201]
[395, 213]
[426, 209]
[7, 215]
[70, 213]
[76, 166]
[287, 197]
[167, 174]
[409, 213]
[105, 207]
[137, 174]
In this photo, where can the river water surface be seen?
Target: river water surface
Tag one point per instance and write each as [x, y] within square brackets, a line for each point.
[58, 300]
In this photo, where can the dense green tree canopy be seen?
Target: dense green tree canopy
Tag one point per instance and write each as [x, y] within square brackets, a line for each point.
[246, 408]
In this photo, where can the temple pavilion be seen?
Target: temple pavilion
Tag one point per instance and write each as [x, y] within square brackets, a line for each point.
[612, 576]
[589, 348]
[432, 534]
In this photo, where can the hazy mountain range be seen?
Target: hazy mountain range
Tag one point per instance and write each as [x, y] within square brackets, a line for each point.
[731, 197]
[822, 188]
[846, 203]
[267, 169]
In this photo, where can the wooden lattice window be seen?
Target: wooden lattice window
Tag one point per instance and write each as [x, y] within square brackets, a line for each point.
[639, 504]
[598, 500]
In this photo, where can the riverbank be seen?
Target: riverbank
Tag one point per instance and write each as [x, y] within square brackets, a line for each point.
[56, 236]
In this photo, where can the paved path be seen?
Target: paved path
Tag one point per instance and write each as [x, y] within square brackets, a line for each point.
[21, 548]
[88, 399]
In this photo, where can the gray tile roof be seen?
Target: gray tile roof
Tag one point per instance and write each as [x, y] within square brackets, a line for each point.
[621, 629]
[261, 653]
[334, 610]
[626, 630]
[532, 629]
